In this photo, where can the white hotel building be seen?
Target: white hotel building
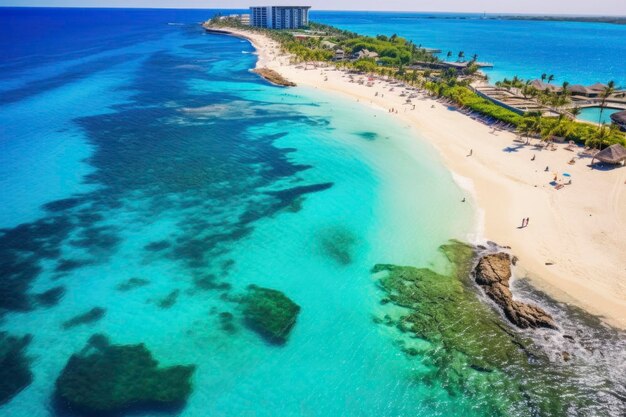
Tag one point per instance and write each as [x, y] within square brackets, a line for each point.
[279, 17]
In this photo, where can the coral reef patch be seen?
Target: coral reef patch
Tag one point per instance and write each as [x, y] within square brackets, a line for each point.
[270, 313]
[466, 347]
[105, 380]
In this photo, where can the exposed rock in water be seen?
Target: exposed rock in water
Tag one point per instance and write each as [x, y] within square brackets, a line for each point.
[270, 313]
[15, 374]
[493, 273]
[105, 379]
[273, 77]
[90, 316]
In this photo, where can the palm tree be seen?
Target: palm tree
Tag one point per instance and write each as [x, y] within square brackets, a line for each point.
[575, 111]
[449, 54]
[531, 125]
[602, 136]
[550, 78]
[543, 77]
[606, 93]
[562, 128]
[461, 56]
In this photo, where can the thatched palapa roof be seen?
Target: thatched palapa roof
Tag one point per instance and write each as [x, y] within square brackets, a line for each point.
[619, 118]
[597, 87]
[541, 86]
[578, 89]
[614, 154]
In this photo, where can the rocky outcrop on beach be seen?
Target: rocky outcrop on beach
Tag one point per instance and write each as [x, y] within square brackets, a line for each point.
[493, 273]
[273, 77]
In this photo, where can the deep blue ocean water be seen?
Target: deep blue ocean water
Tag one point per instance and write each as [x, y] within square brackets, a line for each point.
[134, 145]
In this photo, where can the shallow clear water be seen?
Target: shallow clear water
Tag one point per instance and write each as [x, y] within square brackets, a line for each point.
[165, 159]
[136, 148]
[592, 114]
[581, 53]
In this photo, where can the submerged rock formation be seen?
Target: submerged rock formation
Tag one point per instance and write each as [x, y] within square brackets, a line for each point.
[273, 77]
[105, 379]
[15, 374]
[493, 273]
[270, 313]
[88, 317]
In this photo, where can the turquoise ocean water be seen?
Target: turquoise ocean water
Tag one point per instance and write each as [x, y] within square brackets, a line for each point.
[134, 145]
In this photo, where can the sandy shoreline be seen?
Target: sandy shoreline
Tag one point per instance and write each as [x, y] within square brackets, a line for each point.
[575, 245]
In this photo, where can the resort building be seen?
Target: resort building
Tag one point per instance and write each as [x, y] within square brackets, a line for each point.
[364, 53]
[244, 19]
[279, 17]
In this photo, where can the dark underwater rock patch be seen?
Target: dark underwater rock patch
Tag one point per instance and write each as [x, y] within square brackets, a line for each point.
[50, 297]
[64, 204]
[270, 313]
[368, 135]
[169, 300]
[21, 250]
[97, 239]
[131, 284]
[105, 380]
[338, 244]
[15, 373]
[287, 196]
[210, 283]
[157, 246]
[227, 322]
[67, 265]
[91, 316]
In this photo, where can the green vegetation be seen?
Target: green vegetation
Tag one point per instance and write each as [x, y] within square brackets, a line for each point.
[270, 313]
[106, 379]
[466, 347]
[313, 44]
[15, 374]
[530, 124]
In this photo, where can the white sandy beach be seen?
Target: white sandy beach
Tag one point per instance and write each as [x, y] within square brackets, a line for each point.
[574, 247]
